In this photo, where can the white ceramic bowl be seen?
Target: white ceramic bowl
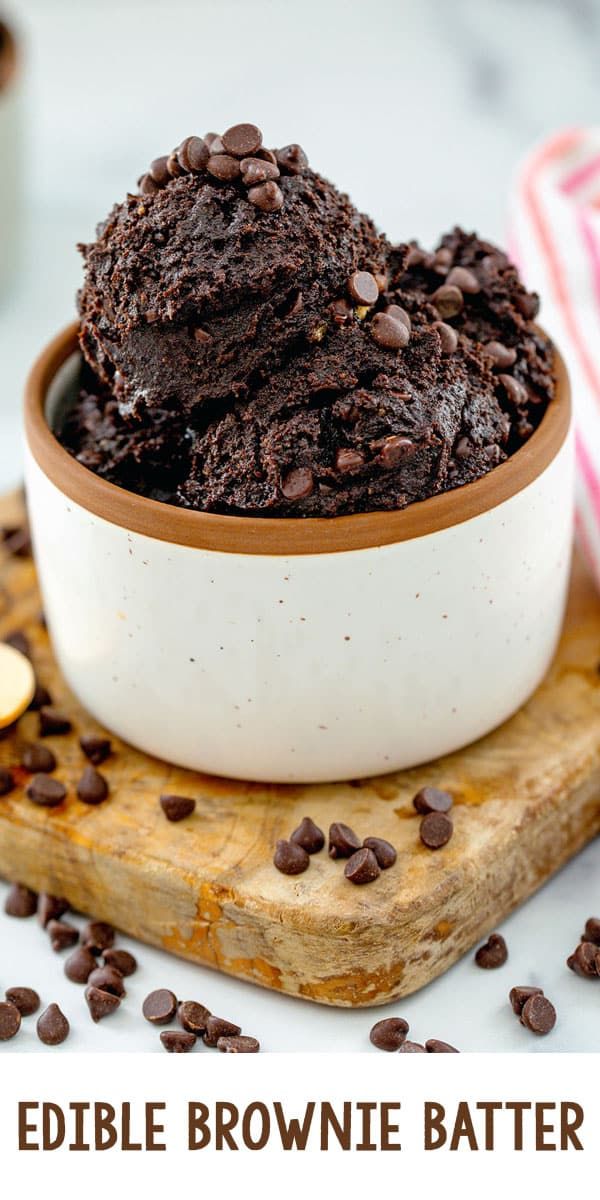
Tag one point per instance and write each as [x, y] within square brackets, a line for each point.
[300, 650]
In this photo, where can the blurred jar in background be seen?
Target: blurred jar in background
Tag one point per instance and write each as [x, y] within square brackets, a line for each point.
[11, 200]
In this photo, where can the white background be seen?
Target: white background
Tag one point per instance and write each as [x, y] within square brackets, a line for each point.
[419, 108]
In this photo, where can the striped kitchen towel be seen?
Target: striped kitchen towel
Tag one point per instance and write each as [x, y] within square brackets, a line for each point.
[555, 241]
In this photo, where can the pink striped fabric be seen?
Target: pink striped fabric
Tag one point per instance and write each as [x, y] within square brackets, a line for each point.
[555, 240]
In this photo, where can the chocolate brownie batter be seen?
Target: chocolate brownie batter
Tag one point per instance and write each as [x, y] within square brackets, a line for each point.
[255, 347]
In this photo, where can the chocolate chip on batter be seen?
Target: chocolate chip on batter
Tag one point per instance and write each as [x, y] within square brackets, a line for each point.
[411, 1048]
[95, 747]
[435, 830]
[176, 1041]
[217, 1027]
[97, 936]
[343, 842]
[585, 960]
[309, 836]
[435, 1046]
[242, 140]
[52, 1026]
[159, 171]
[268, 197]
[53, 722]
[538, 1014]
[362, 867]
[515, 392]
[50, 908]
[257, 170]
[80, 964]
[238, 1044]
[464, 279]
[592, 931]
[389, 333]
[107, 979]
[223, 167]
[20, 902]
[502, 356]
[122, 960]
[92, 787]
[389, 1034]
[347, 460]
[25, 999]
[36, 757]
[384, 852]
[448, 300]
[147, 185]
[7, 782]
[399, 314]
[519, 995]
[173, 165]
[528, 304]
[292, 159]
[493, 953]
[46, 791]
[290, 858]
[193, 154]
[193, 1017]
[362, 287]
[10, 1020]
[160, 1006]
[431, 799]
[448, 337]
[176, 808]
[101, 1004]
[393, 449]
[297, 484]
[61, 934]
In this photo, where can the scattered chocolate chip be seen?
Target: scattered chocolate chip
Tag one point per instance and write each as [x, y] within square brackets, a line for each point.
[435, 1046]
[515, 392]
[193, 1017]
[17, 540]
[435, 830]
[50, 908]
[36, 757]
[362, 867]
[502, 356]
[347, 460]
[46, 791]
[80, 964]
[10, 1020]
[107, 979]
[7, 782]
[176, 808]
[52, 1026]
[538, 1014]
[362, 287]
[448, 300]
[242, 140]
[430, 800]
[448, 337]
[53, 722]
[292, 159]
[192, 154]
[393, 450]
[159, 171]
[592, 931]
[411, 1048]
[122, 960]
[290, 858]
[61, 934]
[309, 836]
[160, 1006]
[388, 332]
[493, 953]
[223, 167]
[343, 842]
[217, 1027]
[519, 995]
[175, 1041]
[92, 787]
[19, 641]
[268, 197]
[25, 999]
[585, 960]
[20, 902]
[96, 748]
[464, 279]
[297, 484]
[98, 936]
[389, 1034]
[237, 1044]
[384, 852]
[101, 1004]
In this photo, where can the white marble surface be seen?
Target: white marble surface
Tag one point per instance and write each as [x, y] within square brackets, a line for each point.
[419, 108]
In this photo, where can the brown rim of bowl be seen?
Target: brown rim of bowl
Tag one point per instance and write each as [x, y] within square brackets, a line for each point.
[280, 535]
[9, 57]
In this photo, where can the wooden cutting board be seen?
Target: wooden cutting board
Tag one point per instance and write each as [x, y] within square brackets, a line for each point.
[526, 799]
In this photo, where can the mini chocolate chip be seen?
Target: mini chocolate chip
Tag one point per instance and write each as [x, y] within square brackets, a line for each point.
[519, 995]
[95, 747]
[393, 450]
[515, 392]
[92, 787]
[176, 808]
[347, 460]
[297, 484]
[160, 1006]
[80, 964]
[175, 1041]
[98, 936]
[431, 799]
[292, 159]
[448, 300]
[493, 953]
[528, 304]
[362, 867]
[41, 698]
[50, 908]
[52, 1026]
[158, 170]
[362, 287]
[389, 1034]
[147, 186]
[435, 1046]
[10, 1020]
[101, 1004]
[25, 999]
[411, 1048]
[290, 858]
[36, 758]
[448, 337]
[309, 836]
[384, 852]
[193, 1017]
[61, 934]
[45, 791]
[17, 540]
[7, 782]
[121, 959]
[237, 1044]
[268, 197]
[464, 279]
[20, 902]
[585, 960]
[107, 979]
[53, 722]
[538, 1014]
[435, 830]
[202, 336]
[502, 356]
[223, 167]
[592, 931]
[217, 1027]
[192, 154]
[242, 140]
[399, 314]
[388, 332]
[343, 842]
[257, 170]
[19, 641]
